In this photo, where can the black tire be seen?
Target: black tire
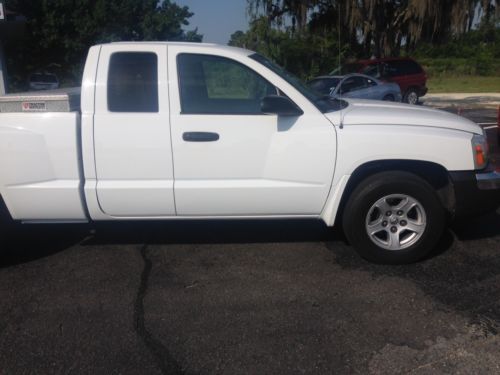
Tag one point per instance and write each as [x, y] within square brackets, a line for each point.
[411, 96]
[372, 190]
[389, 98]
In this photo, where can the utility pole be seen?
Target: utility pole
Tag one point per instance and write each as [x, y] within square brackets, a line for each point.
[3, 74]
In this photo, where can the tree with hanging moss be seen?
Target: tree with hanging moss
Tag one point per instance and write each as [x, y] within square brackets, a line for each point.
[306, 54]
[383, 27]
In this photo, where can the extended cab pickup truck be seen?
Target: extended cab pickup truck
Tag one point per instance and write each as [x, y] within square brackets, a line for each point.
[182, 130]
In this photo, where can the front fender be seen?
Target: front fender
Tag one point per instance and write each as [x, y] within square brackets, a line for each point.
[361, 144]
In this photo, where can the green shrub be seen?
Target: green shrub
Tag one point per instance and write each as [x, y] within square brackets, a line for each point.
[481, 64]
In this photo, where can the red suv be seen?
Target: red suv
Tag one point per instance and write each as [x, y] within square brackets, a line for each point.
[404, 71]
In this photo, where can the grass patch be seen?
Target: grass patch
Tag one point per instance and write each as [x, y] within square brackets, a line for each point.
[443, 84]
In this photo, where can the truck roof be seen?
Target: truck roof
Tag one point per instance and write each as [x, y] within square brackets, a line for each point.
[68, 99]
[190, 45]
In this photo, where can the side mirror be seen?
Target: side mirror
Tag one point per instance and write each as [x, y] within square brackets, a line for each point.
[279, 105]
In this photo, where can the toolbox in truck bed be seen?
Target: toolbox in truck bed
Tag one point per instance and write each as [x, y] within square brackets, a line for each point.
[60, 100]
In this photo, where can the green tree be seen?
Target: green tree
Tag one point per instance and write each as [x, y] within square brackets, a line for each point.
[305, 54]
[238, 39]
[59, 32]
[382, 26]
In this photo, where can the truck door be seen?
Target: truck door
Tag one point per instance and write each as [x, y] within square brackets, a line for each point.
[230, 159]
[133, 153]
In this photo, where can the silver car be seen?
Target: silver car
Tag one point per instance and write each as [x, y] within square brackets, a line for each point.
[356, 86]
[43, 81]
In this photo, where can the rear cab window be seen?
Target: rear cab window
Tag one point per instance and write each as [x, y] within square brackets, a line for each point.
[401, 67]
[133, 82]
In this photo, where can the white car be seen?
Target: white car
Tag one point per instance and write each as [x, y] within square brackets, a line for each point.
[180, 131]
[43, 81]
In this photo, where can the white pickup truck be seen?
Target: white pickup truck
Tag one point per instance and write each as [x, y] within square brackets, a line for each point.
[184, 130]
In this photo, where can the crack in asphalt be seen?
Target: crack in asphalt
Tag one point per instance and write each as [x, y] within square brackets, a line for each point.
[165, 360]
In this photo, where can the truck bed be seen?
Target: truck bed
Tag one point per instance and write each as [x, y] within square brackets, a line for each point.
[40, 156]
[61, 100]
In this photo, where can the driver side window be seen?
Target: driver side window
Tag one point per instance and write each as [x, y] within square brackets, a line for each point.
[217, 85]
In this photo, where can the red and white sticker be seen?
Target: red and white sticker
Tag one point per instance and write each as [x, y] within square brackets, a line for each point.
[34, 106]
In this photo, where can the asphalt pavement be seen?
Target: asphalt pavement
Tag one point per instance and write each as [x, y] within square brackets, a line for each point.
[243, 297]
[246, 297]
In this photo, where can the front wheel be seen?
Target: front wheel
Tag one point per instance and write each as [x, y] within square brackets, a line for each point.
[394, 218]
[411, 96]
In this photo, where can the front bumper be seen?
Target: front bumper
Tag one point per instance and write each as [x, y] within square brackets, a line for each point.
[476, 192]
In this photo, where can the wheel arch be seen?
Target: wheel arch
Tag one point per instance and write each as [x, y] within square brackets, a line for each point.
[433, 173]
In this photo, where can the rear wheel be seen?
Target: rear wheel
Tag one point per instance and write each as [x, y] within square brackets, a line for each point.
[411, 96]
[388, 97]
[394, 217]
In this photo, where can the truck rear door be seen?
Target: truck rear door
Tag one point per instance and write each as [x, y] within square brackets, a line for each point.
[133, 152]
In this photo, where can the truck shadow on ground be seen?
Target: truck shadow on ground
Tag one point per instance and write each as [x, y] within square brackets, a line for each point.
[21, 244]
[461, 275]
[478, 228]
[214, 231]
[25, 243]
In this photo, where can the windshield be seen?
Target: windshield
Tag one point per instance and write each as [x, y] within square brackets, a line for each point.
[45, 78]
[323, 102]
[324, 86]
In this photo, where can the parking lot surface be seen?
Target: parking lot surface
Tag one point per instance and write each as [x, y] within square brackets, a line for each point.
[243, 297]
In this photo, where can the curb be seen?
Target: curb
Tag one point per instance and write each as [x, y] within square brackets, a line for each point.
[463, 100]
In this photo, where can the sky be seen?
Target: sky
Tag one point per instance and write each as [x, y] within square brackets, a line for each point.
[216, 20]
